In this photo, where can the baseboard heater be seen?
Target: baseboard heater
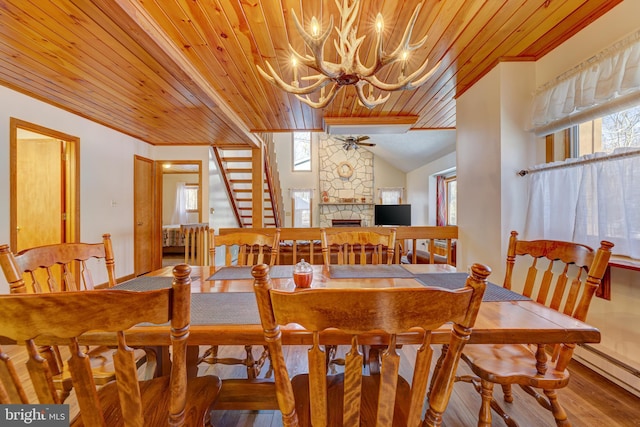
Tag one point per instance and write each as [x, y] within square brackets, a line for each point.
[623, 369]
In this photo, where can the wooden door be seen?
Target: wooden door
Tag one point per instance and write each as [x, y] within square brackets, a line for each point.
[44, 195]
[39, 195]
[143, 171]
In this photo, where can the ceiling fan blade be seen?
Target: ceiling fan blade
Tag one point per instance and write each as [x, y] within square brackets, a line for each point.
[366, 144]
[362, 138]
[339, 139]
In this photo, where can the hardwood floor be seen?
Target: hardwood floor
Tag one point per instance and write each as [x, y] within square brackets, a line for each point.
[590, 400]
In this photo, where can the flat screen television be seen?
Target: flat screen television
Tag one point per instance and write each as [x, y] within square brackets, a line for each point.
[392, 215]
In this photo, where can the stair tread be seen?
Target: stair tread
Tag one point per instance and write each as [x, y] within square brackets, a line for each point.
[236, 159]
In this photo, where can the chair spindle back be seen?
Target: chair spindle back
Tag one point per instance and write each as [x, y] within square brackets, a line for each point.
[351, 246]
[385, 313]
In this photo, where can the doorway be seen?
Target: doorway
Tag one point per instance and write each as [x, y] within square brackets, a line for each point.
[44, 186]
[180, 202]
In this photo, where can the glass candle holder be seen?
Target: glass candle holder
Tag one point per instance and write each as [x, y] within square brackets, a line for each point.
[303, 274]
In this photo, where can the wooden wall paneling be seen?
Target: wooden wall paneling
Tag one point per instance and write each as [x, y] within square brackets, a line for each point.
[183, 72]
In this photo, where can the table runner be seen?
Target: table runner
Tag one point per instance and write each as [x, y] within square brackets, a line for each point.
[240, 308]
[148, 283]
[368, 271]
[239, 273]
[492, 292]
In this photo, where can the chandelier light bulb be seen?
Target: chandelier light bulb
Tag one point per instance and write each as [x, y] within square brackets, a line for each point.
[379, 23]
[315, 27]
[294, 64]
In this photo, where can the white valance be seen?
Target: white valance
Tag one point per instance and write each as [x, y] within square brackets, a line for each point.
[606, 83]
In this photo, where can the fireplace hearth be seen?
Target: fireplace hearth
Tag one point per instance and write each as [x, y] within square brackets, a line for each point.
[346, 223]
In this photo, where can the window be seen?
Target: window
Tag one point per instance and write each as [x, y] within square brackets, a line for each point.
[446, 199]
[390, 196]
[594, 197]
[605, 134]
[301, 201]
[451, 185]
[191, 197]
[301, 151]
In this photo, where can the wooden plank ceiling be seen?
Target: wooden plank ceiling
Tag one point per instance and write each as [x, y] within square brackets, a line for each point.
[183, 71]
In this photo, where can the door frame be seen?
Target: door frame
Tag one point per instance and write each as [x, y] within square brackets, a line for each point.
[72, 178]
[160, 171]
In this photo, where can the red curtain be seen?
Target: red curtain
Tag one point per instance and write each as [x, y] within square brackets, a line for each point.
[441, 202]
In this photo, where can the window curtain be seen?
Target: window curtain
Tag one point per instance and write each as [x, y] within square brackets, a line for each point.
[606, 83]
[180, 210]
[441, 201]
[587, 200]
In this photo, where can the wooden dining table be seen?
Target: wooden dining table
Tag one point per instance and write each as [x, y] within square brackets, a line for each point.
[215, 320]
[224, 312]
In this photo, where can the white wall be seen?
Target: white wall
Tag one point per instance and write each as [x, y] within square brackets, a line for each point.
[106, 174]
[478, 173]
[386, 175]
[517, 147]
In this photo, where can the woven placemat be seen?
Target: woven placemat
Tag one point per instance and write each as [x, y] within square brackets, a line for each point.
[230, 273]
[492, 293]
[368, 271]
[224, 308]
[148, 283]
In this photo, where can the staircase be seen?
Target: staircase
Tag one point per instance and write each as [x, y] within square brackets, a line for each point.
[235, 165]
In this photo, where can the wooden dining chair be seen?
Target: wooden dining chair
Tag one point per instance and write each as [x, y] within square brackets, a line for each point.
[65, 317]
[195, 243]
[358, 247]
[245, 248]
[67, 267]
[352, 398]
[562, 275]
[56, 268]
[242, 248]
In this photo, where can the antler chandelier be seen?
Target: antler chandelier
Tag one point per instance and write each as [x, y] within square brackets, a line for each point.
[350, 71]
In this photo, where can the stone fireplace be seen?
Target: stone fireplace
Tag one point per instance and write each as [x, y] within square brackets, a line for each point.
[345, 183]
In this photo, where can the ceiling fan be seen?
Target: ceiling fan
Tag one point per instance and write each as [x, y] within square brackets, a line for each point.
[354, 142]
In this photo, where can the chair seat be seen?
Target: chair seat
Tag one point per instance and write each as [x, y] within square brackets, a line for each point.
[335, 392]
[101, 366]
[201, 392]
[511, 364]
